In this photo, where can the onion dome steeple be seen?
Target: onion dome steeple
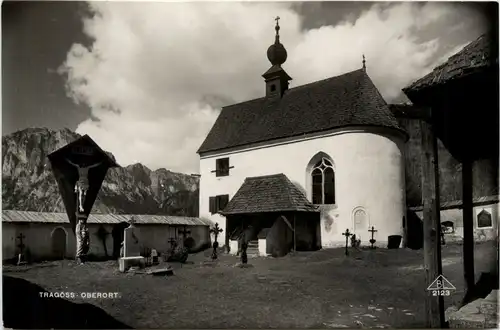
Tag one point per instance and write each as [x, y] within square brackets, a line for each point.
[276, 78]
[276, 53]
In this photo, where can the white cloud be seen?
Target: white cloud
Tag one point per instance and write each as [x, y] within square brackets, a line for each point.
[152, 65]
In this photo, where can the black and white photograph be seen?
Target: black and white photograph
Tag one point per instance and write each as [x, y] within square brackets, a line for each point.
[250, 165]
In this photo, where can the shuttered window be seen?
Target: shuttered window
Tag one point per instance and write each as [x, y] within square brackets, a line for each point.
[222, 167]
[222, 201]
[213, 205]
[218, 203]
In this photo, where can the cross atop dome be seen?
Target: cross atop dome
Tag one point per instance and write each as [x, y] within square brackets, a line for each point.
[276, 78]
[276, 53]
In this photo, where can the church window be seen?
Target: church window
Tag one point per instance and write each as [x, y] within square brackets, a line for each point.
[218, 203]
[222, 167]
[484, 219]
[273, 88]
[323, 182]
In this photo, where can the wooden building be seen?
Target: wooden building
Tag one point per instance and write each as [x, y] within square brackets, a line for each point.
[461, 99]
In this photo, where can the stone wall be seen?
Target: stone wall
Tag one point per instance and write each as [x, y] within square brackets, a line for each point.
[481, 313]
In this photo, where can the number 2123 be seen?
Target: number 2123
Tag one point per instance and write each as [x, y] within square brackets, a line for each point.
[437, 293]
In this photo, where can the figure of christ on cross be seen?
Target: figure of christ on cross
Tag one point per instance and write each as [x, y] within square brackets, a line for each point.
[82, 184]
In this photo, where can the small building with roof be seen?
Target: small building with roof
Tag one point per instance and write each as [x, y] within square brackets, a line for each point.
[317, 159]
[49, 235]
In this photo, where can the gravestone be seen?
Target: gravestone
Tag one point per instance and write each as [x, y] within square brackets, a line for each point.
[131, 248]
[154, 257]
[131, 243]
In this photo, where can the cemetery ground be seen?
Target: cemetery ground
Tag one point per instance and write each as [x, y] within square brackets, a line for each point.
[369, 288]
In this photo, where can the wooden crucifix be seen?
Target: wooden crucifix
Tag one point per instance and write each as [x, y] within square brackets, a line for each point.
[216, 231]
[372, 240]
[346, 234]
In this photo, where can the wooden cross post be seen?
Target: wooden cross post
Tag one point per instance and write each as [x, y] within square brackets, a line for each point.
[372, 240]
[20, 257]
[216, 231]
[346, 234]
[21, 244]
[184, 234]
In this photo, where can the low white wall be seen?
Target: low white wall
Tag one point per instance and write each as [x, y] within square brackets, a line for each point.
[262, 247]
[233, 247]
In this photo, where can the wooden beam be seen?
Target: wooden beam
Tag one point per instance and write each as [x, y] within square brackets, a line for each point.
[405, 230]
[434, 306]
[468, 223]
[294, 236]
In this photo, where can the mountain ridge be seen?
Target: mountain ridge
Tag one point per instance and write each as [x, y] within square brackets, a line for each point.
[29, 185]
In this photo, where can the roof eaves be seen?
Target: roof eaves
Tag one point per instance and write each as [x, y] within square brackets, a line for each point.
[271, 140]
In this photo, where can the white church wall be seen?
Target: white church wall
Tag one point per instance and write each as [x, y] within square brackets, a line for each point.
[369, 175]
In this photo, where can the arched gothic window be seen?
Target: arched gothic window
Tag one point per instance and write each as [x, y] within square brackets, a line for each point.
[323, 182]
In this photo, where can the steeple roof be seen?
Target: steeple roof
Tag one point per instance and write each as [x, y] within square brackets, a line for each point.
[347, 100]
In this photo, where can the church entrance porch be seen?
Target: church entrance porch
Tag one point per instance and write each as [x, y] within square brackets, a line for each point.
[272, 214]
[274, 234]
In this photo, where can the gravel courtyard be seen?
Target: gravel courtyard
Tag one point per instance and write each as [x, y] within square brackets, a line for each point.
[324, 289]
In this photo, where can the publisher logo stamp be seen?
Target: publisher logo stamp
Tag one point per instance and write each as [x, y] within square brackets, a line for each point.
[441, 287]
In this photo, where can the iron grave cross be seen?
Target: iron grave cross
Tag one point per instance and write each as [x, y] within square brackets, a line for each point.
[372, 240]
[346, 234]
[216, 231]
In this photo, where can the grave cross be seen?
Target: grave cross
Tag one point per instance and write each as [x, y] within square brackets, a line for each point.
[20, 257]
[346, 234]
[184, 232]
[172, 242]
[21, 244]
[372, 240]
[216, 231]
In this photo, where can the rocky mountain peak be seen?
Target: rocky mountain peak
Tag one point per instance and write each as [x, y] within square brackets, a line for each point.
[28, 182]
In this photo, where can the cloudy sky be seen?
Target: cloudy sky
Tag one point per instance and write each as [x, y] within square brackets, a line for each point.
[146, 80]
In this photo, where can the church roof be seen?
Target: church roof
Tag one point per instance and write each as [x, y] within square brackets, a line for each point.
[350, 99]
[270, 193]
[477, 55]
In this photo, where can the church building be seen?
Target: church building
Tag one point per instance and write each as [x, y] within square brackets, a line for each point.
[298, 166]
